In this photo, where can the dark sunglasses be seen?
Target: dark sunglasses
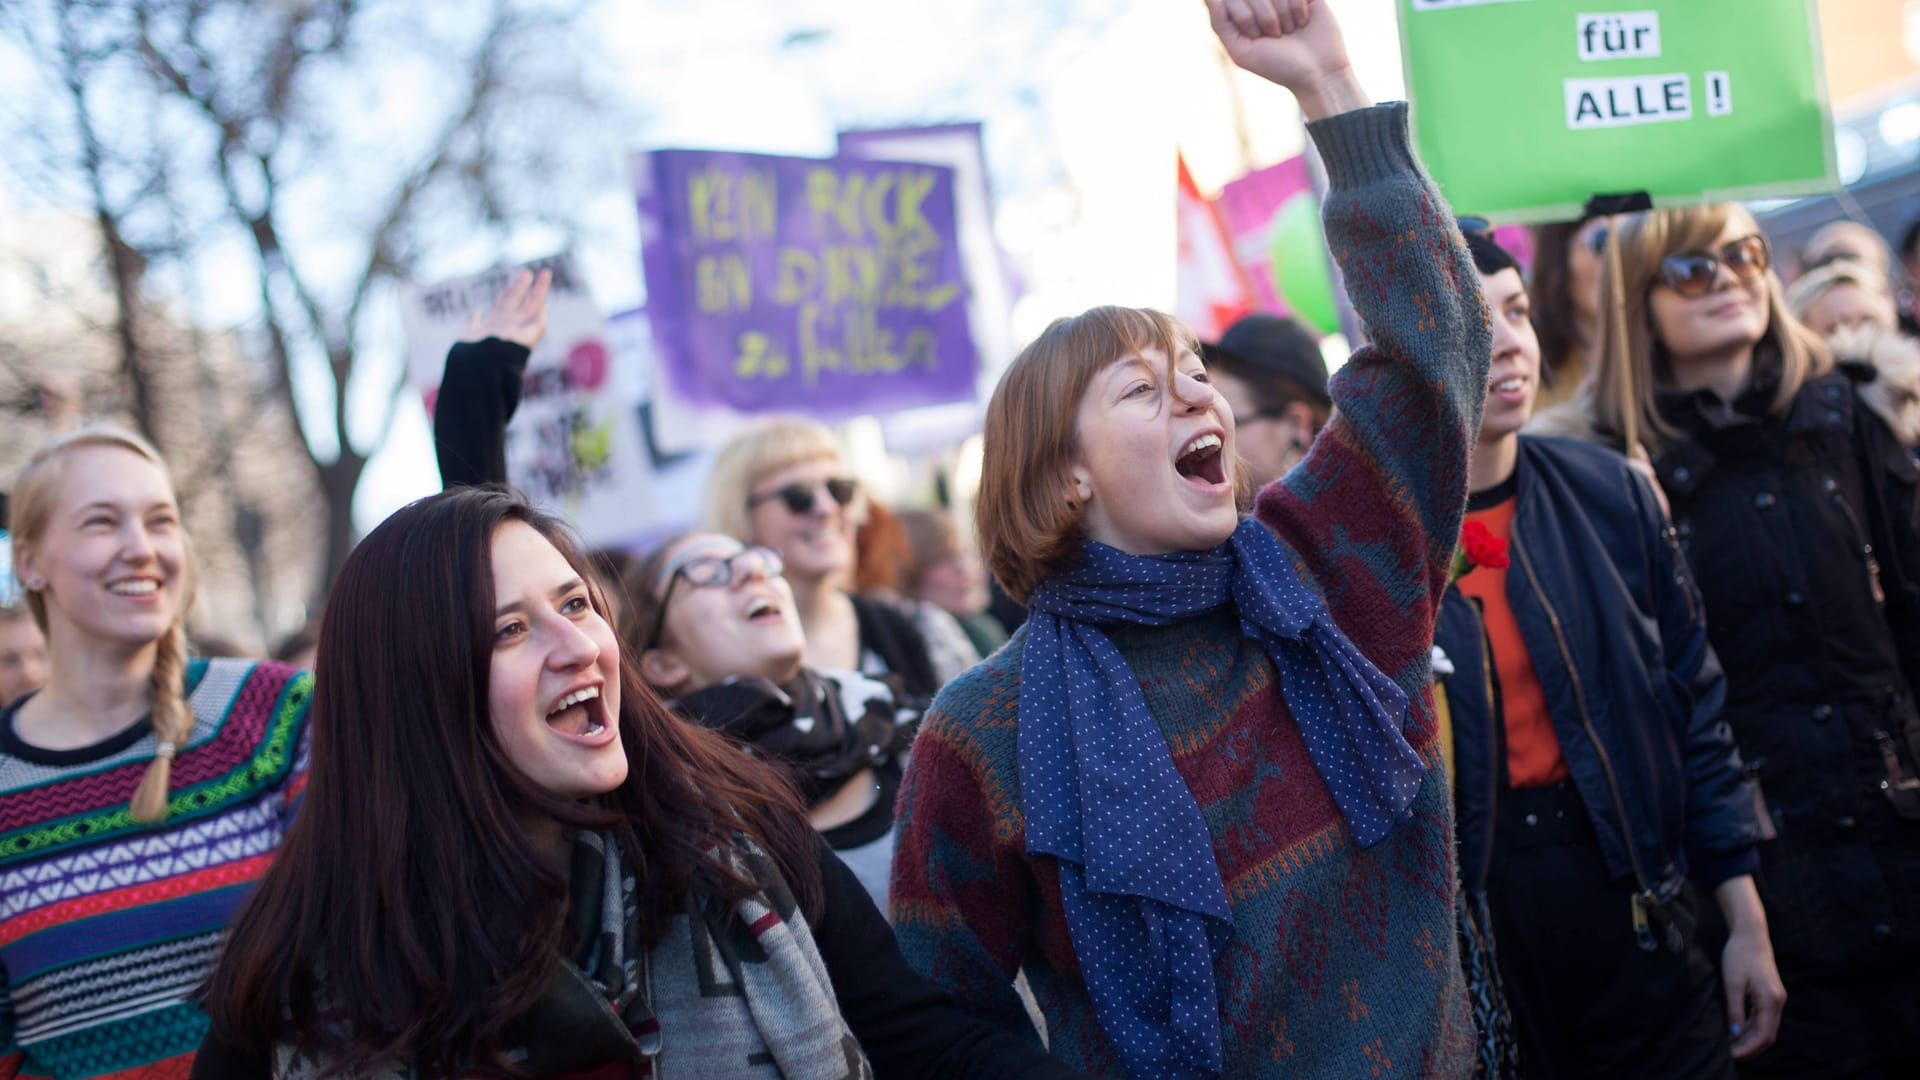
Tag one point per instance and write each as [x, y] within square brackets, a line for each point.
[1692, 273]
[800, 497]
[1597, 240]
[705, 571]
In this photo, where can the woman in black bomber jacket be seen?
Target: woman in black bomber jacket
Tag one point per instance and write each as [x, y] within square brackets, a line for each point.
[1798, 514]
[1593, 776]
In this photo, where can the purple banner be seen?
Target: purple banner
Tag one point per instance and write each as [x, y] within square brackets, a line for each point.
[828, 287]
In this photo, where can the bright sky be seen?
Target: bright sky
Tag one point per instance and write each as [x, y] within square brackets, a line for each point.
[1084, 104]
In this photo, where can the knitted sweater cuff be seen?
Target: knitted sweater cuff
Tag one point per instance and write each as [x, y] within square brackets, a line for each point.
[1364, 145]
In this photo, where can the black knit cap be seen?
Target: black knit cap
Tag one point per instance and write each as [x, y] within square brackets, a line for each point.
[1272, 346]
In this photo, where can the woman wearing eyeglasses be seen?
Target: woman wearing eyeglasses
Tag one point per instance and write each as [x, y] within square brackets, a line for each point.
[722, 642]
[784, 485]
[1797, 510]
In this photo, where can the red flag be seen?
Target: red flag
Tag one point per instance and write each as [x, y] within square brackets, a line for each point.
[1212, 289]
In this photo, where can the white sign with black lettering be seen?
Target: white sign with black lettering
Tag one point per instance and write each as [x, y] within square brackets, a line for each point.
[1618, 35]
[1631, 99]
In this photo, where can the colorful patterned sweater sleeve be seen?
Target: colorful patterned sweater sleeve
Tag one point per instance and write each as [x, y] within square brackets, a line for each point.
[967, 893]
[1373, 512]
[1342, 961]
[107, 926]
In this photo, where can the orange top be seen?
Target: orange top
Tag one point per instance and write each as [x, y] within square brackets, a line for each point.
[1533, 750]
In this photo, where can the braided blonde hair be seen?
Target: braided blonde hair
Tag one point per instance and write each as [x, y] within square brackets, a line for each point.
[34, 495]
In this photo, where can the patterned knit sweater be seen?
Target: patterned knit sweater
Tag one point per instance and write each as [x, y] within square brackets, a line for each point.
[1342, 962]
[108, 926]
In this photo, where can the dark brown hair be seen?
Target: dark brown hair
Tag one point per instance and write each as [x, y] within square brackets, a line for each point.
[408, 916]
[1028, 528]
[640, 584]
[933, 538]
[1550, 292]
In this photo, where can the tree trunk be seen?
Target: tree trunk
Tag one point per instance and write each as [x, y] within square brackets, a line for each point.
[338, 478]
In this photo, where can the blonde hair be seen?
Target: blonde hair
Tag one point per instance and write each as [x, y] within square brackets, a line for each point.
[1633, 364]
[34, 494]
[752, 456]
[1808, 288]
[1860, 243]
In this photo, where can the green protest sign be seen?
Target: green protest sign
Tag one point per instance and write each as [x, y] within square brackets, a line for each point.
[1525, 108]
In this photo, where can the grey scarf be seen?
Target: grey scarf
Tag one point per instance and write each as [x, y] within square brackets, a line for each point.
[732, 989]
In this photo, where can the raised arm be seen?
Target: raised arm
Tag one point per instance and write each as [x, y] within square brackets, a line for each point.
[1374, 509]
[481, 385]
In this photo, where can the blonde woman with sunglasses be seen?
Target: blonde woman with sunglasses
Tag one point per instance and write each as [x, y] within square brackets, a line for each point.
[1796, 508]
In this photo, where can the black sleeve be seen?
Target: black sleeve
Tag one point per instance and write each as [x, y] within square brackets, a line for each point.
[1893, 489]
[908, 1026]
[218, 1061]
[889, 632]
[478, 393]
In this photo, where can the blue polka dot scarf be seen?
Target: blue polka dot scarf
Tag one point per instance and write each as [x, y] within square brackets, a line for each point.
[1141, 891]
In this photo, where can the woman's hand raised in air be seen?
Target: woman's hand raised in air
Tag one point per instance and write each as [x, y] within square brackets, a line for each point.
[519, 313]
[1295, 43]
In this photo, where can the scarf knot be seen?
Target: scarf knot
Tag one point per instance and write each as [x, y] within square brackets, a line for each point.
[1141, 891]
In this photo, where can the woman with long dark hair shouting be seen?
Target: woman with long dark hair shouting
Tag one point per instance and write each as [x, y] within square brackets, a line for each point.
[513, 859]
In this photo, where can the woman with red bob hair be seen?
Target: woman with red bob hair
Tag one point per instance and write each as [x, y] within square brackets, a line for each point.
[1198, 799]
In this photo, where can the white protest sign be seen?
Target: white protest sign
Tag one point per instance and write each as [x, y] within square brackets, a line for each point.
[574, 444]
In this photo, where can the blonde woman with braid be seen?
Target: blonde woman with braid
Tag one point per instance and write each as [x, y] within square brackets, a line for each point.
[141, 793]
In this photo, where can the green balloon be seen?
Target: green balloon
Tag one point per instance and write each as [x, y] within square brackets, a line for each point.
[1300, 273]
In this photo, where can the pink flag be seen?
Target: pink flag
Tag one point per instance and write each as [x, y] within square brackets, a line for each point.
[1212, 289]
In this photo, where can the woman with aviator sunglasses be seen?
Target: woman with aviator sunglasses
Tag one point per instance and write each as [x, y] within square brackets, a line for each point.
[784, 484]
[1796, 508]
[723, 643]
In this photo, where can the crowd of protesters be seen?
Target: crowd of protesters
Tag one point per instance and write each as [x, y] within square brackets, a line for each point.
[1533, 697]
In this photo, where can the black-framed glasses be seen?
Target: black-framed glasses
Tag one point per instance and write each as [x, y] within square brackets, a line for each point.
[706, 571]
[799, 498]
[1692, 273]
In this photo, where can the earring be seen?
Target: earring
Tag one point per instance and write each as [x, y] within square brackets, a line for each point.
[35, 584]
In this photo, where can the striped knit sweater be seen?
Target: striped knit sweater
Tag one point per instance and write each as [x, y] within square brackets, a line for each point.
[107, 926]
[1342, 962]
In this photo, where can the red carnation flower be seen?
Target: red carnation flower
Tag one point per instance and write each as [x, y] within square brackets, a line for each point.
[1482, 547]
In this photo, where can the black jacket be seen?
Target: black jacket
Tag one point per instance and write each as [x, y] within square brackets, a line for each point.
[908, 1026]
[1804, 533]
[1614, 628]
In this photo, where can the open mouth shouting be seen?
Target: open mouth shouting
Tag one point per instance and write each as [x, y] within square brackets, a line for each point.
[1200, 461]
[580, 715]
